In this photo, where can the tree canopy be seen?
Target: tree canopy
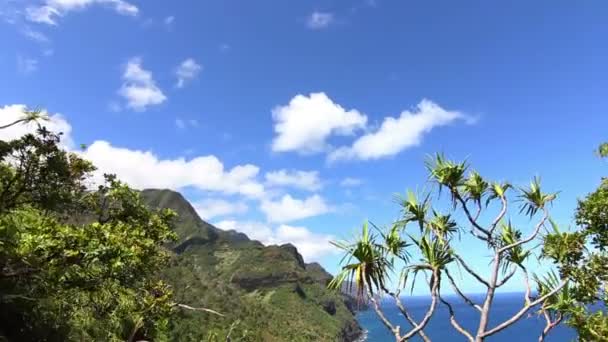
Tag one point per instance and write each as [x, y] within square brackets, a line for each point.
[77, 261]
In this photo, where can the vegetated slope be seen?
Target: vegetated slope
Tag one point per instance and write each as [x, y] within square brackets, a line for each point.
[265, 293]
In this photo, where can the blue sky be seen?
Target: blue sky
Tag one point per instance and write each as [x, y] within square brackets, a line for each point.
[259, 111]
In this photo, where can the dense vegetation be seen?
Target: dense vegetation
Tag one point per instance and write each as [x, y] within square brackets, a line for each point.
[69, 276]
[108, 263]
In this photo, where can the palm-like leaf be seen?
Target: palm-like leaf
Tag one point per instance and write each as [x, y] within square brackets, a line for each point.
[516, 255]
[475, 187]
[442, 226]
[497, 190]
[370, 267]
[534, 199]
[413, 209]
[447, 174]
[563, 300]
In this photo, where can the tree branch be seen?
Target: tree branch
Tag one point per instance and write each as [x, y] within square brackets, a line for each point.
[188, 307]
[455, 323]
[550, 324]
[462, 295]
[407, 315]
[471, 219]
[507, 277]
[502, 213]
[529, 238]
[470, 271]
[521, 312]
[435, 280]
[383, 319]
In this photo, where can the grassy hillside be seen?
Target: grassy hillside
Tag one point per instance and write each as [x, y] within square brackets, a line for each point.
[265, 293]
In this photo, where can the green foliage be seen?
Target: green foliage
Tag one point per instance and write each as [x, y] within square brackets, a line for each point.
[583, 258]
[76, 264]
[369, 261]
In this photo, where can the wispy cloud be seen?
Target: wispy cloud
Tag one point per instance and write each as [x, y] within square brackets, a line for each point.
[26, 65]
[51, 10]
[319, 20]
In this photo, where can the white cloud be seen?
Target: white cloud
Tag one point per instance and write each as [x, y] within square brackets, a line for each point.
[311, 245]
[26, 65]
[183, 123]
[34, 35]
[398, 134]
[12, 113]
[139, 88]
[210, 208]
[319, 20]
[187, 71]
[50, 10]
[143, 169]
[289, 209]
[306, 180]
[305, 124]
[349, 182]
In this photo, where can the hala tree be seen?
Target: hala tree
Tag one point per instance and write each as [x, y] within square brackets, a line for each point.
[422, 245]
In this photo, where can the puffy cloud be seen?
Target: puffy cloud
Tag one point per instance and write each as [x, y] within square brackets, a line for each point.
[306, 180]
[187, 71]
[56, 123]
[210, 208]
[398, 134]
[288, 209]
[143, 169]
[139, 88]
[50, 10]
[319, 20]
[349, 182]
[305, 124]
[311, 245]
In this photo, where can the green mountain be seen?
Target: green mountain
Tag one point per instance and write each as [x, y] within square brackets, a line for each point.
[266, 293]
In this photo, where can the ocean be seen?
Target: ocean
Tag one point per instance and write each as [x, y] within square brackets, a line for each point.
[528, 328]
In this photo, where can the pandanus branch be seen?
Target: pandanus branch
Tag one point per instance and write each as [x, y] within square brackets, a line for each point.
[470, 271]
[406, 314]
[435, 281]
[529, 238]
[507, 277]
[472, 220]
[454, 322]
[460, 293]
[522, 312]
[550, 324]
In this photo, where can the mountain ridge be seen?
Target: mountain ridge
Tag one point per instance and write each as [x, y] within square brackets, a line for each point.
[267, 293]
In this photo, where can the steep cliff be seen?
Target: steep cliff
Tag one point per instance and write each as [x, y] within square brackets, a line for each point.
[266, 293]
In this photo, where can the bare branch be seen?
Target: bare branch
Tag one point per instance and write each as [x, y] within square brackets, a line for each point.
[435, 280]
[188, 307]
[455, 323]
[407, 315]
[470, 270]
[529, 238]
[462, 295]
[473, 220]
[383, 319]
[502, 213]
[550, 324]
[507, 277]
[521, 312]
[528, 287]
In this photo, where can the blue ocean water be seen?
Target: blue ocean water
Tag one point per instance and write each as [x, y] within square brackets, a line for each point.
[528, 328]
